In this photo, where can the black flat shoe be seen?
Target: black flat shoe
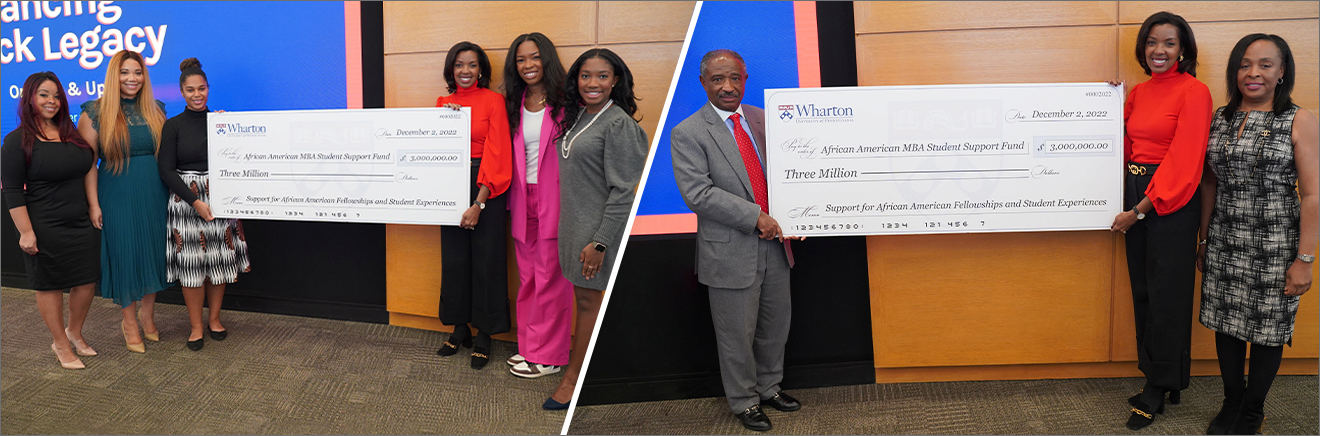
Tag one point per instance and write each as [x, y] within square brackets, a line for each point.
[450, 347]
[551, 404]
[480, 357]
[218, 335]
[197, 344]
[754, 419]
[782, 402]
[1143, 415]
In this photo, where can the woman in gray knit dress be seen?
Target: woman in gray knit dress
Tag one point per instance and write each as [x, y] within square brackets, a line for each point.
[602, 152]
[1258, 224]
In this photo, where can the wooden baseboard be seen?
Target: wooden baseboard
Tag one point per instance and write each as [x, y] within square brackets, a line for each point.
[1060, 371]
[433, 324]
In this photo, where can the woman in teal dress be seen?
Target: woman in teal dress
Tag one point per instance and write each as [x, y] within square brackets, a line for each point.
[130, 206]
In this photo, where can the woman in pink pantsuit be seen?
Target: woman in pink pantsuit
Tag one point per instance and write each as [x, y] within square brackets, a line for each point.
[533, 77]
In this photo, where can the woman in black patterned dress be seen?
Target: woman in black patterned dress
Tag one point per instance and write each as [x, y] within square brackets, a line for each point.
[1258, 224]
[203, 253]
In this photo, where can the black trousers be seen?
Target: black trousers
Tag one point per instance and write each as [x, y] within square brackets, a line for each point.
[474, 272]
[1161, 256]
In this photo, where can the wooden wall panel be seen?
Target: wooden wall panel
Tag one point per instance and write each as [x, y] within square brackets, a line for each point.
[624, 22]
[1130, 12]
[435, 26]
[916, 306]
[990, 299]
[653, 68]
[907, 16]
[1067, 54]
[648, 36]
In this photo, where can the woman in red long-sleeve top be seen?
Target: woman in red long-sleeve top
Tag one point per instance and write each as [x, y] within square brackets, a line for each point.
[1168, 122]
[474, 269]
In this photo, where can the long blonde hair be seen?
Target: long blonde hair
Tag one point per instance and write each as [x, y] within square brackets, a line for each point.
[113, 134]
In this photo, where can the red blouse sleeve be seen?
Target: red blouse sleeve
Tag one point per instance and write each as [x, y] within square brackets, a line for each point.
[1179, 174]
[496, 170]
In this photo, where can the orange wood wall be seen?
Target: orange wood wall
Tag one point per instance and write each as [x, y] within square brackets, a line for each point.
[647, 35]
[1039, 305]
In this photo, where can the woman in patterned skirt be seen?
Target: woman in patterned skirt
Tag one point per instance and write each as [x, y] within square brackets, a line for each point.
[203, 253]
[124, 127]
[1258, 237]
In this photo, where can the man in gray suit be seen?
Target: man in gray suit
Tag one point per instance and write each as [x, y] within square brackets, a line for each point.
[742, 254]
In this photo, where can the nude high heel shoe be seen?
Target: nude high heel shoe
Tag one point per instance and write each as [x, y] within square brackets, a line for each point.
[136, 348]
[79, 346]
[75, 364]
[153, 336]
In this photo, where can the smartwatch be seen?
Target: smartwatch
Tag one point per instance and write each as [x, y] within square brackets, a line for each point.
[600, 247]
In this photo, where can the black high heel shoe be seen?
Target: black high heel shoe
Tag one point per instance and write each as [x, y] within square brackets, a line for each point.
[1143, 414]
[481, 352]
[450, 347]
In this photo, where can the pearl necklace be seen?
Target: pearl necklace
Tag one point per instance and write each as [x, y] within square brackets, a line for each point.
[567, 147]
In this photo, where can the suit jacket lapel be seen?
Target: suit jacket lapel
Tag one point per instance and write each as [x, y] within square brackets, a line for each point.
[727, 145]
[758, 131]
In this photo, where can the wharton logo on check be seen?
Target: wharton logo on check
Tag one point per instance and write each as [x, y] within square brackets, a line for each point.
[236, 129]
[944, 159]
[810, 113]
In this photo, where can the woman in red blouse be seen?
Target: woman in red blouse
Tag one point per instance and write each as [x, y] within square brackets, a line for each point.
[1168, 122]
[474, 279]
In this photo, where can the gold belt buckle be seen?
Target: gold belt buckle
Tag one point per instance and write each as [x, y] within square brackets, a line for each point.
[1137, 170]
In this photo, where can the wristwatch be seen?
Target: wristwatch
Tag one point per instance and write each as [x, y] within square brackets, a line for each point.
[1308, 258]
[480, 205]
[1140, 216]
[600, 247]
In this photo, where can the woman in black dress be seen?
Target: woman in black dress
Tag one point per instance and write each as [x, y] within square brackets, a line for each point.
[203, 253]
[45, 171]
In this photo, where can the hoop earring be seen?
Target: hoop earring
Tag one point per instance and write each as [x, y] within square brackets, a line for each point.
[1280, 80]
[1180, 58]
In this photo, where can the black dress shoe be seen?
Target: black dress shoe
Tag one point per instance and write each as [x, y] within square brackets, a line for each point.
[782, 402]
[1227, 416]
[197, 344]
[480, 357]
[1143, 415]
[754, 419]
[450, 347]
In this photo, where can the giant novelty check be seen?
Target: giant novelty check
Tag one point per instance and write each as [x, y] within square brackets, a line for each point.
[407, 166]
[944, 159]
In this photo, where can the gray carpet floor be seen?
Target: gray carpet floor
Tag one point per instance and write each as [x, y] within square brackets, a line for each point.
[1079, 406]
[275, 374]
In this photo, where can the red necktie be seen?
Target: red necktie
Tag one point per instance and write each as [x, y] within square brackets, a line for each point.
[752, 162]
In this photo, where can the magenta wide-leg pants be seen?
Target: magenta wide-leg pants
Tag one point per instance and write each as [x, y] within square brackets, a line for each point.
[545, 297]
